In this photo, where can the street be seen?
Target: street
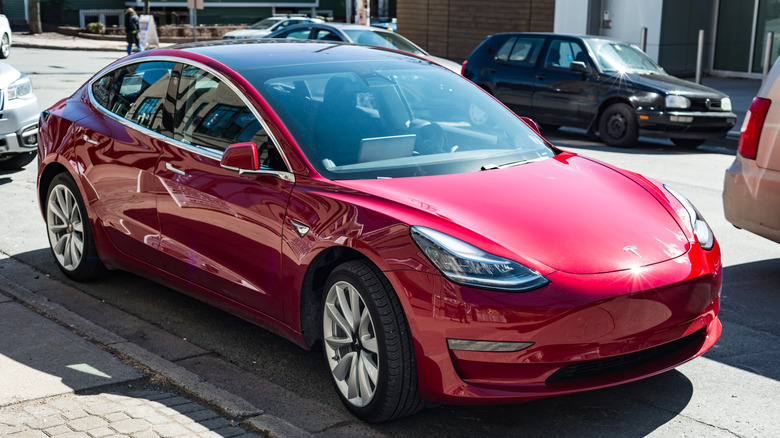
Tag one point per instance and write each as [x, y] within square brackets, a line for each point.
[733, 390]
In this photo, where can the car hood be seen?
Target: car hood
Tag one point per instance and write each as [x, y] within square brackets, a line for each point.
[568, 213]
[674, 85]
[8, 74]
[450, 65]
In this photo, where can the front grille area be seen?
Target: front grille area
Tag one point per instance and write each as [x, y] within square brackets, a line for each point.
[617, 363]
[700, 104]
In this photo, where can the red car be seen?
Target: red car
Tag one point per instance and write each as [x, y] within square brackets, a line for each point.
[433, 243]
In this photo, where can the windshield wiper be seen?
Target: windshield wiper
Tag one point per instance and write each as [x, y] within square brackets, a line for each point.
[510, 164]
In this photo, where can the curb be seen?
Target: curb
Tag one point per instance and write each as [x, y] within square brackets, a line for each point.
[232, 405]
[26, 45]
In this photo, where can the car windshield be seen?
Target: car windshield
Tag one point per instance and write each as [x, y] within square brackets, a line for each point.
[391, 119]
[615, 57]
[265, 24]
[383, 39]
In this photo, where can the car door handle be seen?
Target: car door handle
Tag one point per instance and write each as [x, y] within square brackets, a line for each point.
[174, 170]
[89, 140]
[541, 77]
[492, 70]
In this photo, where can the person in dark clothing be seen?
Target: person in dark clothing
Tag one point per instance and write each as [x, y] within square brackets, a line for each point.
[132, 27]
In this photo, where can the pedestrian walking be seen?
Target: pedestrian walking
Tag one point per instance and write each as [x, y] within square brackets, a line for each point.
[132, 28]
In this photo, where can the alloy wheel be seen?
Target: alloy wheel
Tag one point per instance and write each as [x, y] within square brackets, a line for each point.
[351, 344]
[66, 228]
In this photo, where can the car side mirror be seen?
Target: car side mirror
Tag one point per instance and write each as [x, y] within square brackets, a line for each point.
[580, 67]
[240, 156]
[531, 124]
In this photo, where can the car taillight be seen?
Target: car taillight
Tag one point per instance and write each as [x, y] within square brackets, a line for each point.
[751, 128]
[463, 68]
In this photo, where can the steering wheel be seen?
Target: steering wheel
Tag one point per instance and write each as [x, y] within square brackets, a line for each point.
[431, 139]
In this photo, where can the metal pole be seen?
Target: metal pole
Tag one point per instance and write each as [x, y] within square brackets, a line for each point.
[770, 39]
[643, 39]
[194, 21]
[699, 56]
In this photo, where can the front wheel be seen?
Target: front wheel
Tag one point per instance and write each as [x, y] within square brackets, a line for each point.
[70, 234]
[16, 161]
[367, 344]
[618, 125]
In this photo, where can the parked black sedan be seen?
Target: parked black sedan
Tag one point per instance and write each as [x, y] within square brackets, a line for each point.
[599, 84]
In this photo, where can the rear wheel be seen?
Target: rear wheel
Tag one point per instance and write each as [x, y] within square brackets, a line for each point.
[687, 143]
[367, 344]
[16, 161]
[618, 125]
[70, 234]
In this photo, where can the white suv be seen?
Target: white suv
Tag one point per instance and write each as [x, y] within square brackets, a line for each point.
[751, 191]
[265, 27]
[18, 119]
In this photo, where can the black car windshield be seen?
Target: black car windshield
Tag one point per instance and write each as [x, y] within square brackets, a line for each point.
[616, 57]
[391, 119]
[383, 39]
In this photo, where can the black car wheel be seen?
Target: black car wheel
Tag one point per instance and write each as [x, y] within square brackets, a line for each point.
[70, 234]
[687, 143]
[15, 161]
[618, 125]
[367, 344]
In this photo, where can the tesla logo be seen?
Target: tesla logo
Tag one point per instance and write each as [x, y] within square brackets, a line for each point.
[632, 249]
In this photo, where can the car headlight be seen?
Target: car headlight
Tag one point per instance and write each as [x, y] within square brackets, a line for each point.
[468, 265]
[700, 227]
[20, 88]
[676, 101]
[725, 104]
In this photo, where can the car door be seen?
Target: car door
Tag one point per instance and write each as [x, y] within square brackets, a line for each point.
[123, 141]
[513, 72]
[562, 96]
[221, 229]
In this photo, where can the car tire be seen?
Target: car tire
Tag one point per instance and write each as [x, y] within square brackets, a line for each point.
[618, 126]
[5, 46]
[16, 161]
[368, 345]
[69, 231]
[687, 143]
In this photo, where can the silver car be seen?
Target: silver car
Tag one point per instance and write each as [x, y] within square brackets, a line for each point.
[18, 119]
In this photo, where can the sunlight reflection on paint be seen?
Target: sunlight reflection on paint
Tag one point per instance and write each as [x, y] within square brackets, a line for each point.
[88, 369]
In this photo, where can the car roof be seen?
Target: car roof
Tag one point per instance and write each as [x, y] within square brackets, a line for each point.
[265, 53]
[341, 26]
[562, 35]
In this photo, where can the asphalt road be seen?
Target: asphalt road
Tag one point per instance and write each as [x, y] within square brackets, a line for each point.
[733, 390]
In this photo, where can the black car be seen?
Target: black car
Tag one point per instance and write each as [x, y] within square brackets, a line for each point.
[599, 84]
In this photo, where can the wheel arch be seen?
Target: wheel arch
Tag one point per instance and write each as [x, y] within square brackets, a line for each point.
[314, 282]
[45, 178]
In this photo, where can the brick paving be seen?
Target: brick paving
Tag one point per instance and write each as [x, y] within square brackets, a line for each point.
[121, 411]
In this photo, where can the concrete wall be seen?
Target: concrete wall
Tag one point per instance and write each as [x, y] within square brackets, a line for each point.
[454, 28]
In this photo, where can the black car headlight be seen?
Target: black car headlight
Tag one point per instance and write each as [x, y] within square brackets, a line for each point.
[675, 101]
[700, 227]
[468, 265]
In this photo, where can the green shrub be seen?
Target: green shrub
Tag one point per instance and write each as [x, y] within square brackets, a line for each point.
[97, 28]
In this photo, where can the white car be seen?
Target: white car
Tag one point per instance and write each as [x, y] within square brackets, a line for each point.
[265, 27]
[19, 121]
[5, 37]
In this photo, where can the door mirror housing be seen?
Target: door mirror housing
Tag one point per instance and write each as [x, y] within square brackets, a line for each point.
[531, 124]
[580, 67]
[241, 156]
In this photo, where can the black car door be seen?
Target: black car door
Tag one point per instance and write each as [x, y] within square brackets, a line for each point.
[562, 96]
[512, 73]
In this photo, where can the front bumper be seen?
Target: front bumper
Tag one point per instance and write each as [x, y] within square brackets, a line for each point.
[588, 331]
[19, 126]
[685, 124]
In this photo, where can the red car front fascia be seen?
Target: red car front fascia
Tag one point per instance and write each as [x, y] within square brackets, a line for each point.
[575, 319]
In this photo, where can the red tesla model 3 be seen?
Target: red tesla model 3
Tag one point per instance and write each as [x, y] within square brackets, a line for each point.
[379, 205]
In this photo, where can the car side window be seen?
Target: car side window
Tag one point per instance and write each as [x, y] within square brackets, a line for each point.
[210, 115]
[503, 52]
[136, 92]
[326, 35]
[562, 53]
[297, 34]
[526, 50]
